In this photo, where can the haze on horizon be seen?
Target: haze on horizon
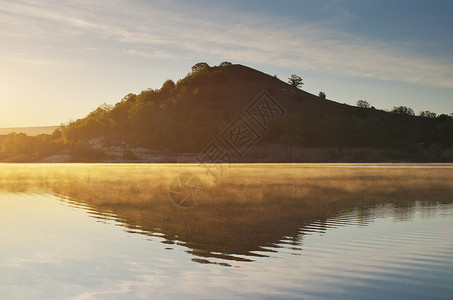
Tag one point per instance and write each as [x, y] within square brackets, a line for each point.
[60, 60]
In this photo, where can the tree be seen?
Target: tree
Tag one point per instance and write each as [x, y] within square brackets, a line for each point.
[56, 134]
[295, 81]
[403, 110]
[225, 64]
[167, 87]
[141, 116]
[15, 143]
[322, 95]
[129, 98]
[363, 104]
[444, 117]
[200, 67]
[427, 114]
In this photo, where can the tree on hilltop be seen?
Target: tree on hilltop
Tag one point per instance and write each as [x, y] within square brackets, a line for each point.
[428, 114]
[200, 67]
[295, 81]
[403, 110]
[363, 104]
[225, 64]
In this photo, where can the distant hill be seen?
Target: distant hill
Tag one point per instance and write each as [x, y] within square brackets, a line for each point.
[30, 131]
[239, 113]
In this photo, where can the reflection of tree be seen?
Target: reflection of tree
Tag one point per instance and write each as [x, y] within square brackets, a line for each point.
[247, 213]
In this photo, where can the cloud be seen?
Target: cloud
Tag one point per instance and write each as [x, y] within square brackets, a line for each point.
[179, 31]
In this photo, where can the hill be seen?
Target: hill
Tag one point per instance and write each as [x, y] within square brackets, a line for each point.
[30, 131]
[237, 113]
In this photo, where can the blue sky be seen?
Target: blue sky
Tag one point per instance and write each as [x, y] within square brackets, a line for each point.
[59, 60]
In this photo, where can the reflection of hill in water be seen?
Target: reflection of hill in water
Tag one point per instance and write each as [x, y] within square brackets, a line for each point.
[251, 210]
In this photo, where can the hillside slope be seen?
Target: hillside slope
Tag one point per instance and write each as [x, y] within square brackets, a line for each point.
[250, 116]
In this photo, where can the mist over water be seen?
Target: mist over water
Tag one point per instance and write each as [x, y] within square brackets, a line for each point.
[262, 231]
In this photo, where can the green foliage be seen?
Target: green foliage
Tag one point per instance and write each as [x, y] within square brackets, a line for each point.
[445, 118]
[186, 115]
[363, 104]
[56, 134]
[295, 81]
[322, 95]
[200, 67]
[427, 114]
[194, 79]
[225, 64]
[164, 118]
[346, 128]
[16, 143]
[83, 150]
[33, 147]
[141, 116]
[167, 89]
[403, 110]
[129, 98]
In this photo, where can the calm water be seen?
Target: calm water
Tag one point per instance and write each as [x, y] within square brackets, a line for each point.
[258, 231]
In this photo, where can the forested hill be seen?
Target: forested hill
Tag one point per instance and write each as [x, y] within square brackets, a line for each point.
[218, 104]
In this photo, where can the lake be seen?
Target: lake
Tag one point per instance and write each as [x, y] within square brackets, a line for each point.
[253, 231]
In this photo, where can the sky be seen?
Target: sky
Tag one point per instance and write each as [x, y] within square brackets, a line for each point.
[59, 60]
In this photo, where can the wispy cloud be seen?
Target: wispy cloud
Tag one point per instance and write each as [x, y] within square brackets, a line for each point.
[178, 31]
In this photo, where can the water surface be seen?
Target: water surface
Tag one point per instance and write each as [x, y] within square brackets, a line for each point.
[79, 231]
